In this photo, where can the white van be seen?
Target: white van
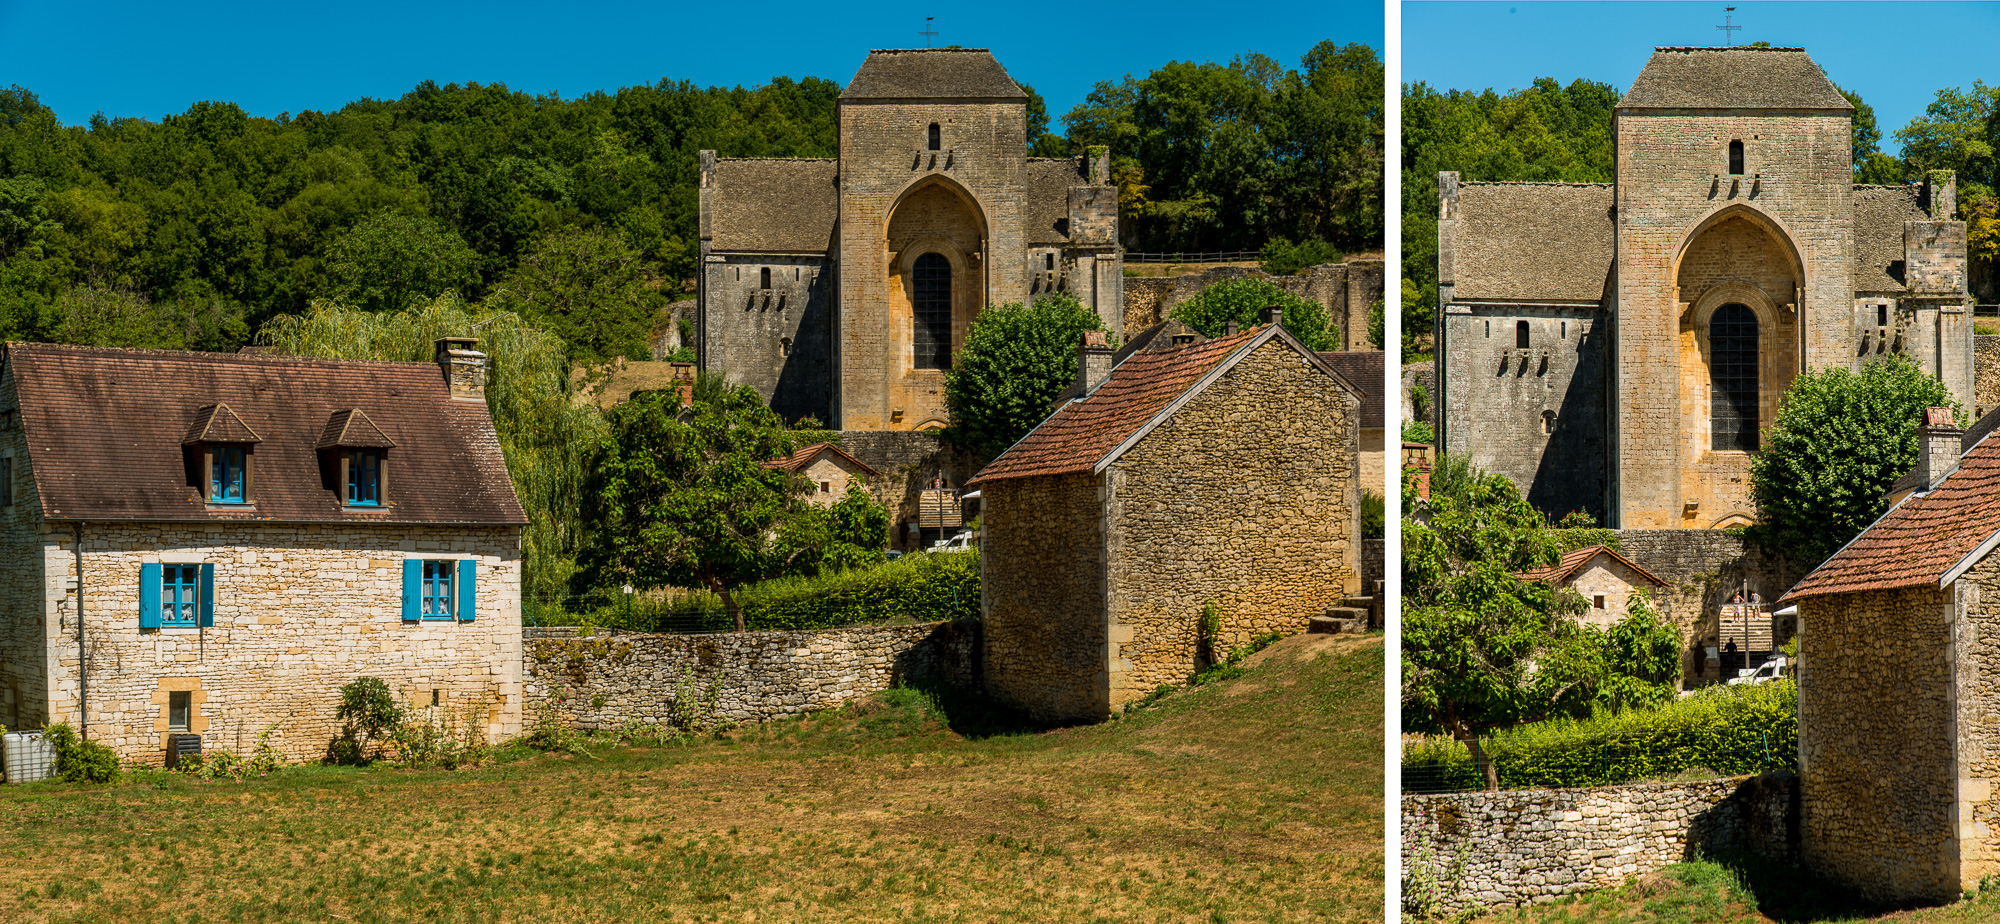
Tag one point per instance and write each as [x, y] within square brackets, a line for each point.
[1774, 669]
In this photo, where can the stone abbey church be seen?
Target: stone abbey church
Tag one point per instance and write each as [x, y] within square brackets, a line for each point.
[1617, 348]
[842, 288]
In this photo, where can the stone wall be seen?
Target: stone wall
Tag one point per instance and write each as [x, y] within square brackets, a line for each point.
[1042, 595]
[1986, 374]
[1703, 568]
[908, 460]
[1374, 553]
[24, 629]
[1346, 290]
[1535, 413]
[299, 611]
[1419, 375]
[1247, 498]
[605, 681]
[778, 340]
[1525, 846]
[1877, 747]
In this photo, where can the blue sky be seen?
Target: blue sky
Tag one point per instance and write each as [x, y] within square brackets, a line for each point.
[126, 58]
[1896, 55]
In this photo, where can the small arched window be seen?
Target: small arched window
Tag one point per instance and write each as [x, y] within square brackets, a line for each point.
[1732, 378]
[765, 281]
[1520, 335]
[1735, 158]
[937, 138]
[1548, 423]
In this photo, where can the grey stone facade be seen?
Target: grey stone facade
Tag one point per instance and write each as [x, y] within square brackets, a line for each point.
[1346, 290]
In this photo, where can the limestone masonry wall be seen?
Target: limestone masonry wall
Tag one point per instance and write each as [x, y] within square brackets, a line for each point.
[1046, 639]
[1703, 568]
[1986, 373]
[1346, 290]
[1526, 846]
[602, 682]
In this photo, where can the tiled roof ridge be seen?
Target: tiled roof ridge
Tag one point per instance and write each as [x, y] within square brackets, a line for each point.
[1911, 186]
[1463, 183]
[905, 51]
[1756, 48]
[1920, 540]
[36, 346]
[786, 160]
[1577, 558]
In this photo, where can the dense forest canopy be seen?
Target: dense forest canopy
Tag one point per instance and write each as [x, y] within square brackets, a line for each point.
[1548, 132]
[195, 230]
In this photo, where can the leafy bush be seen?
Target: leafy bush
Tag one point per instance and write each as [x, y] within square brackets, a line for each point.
[1244, 300]
[1726, 729]
[921, 587]
[80, 761]
[1281, 257]
[1374, 515]
[1016, 361]
[370, 714]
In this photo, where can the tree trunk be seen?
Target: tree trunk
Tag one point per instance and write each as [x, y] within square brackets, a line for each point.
[1483, 762]
[728, 600]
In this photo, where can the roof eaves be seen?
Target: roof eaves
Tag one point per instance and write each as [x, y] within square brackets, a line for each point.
[1793, 593]
[1971, 558]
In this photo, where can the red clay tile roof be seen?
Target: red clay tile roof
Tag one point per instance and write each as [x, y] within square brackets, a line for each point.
[799, 459]
[1574, 561]
[104, 427]
[1084, 432]
[1921, 539]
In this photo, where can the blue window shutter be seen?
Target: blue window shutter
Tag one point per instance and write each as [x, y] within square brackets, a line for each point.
[468, 602]
[149, 596]
[413, 588]
[207, 595]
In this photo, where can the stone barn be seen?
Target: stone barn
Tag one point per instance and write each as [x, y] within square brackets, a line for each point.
[213, 544]
[1220, 474]
[1899, 687]
[829, 469]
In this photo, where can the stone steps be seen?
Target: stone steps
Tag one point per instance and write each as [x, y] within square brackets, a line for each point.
[1340, 620]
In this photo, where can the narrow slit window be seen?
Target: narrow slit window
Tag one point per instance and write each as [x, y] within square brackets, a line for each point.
[1732, 371]
[1565, 330]
[1049, 261]
[7, 481]
[1520, 335]
[1881, 315]
[937, 138]
[1735, 158]
[1489, 330]
[764, 282]
[931, 299]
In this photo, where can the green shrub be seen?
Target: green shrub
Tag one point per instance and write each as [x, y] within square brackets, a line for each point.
[370, 714]
[80, 761]
[922, 588]
[1281, 257]
[1725, 729]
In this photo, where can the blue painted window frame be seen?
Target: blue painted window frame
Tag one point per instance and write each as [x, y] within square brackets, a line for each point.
[364, 478]
[437, 590]
[180, 596]
[226, 475]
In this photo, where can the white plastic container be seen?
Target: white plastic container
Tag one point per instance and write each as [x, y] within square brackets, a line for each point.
[27, 757]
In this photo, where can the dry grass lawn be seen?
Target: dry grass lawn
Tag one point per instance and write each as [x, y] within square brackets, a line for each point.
[1253, 799]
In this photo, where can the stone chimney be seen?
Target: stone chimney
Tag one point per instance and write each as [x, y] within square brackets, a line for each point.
[1093, 362]
[1274, 314]
[464, 367]
[1937, 446]
[684, 382]
[1229, 329]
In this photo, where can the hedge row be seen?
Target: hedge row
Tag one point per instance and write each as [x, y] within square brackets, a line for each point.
[921, 588]
[1725, 729]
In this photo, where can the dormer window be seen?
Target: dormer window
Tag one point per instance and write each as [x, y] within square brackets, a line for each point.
[219, 452]
[354, 459]
[1735, 158]
[937, 138]
[228, 474]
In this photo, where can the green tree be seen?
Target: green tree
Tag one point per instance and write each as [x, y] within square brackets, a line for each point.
[1244, 299]
[1017, 359]
[392, 261]
[588, 287]
[683, 497]
[1482, 648]
[1643, 656]
[851, 533]
[1840, 441]
[1956, 132]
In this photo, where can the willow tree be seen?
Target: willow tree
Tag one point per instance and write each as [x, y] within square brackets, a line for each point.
[546, 437]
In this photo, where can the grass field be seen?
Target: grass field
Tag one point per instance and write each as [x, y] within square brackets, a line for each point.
[1253, 799]
[1736, 891]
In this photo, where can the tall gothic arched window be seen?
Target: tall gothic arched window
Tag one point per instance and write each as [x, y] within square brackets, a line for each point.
[931, 299]
[1732, 378]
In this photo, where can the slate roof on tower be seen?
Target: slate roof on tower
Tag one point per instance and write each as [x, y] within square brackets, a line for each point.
[931, 73]
[105, 428]
[1534, 241]
[1734, 77]
[774, 204]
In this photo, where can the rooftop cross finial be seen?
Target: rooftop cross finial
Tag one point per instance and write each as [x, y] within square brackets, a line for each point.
[1728, 27]
[927, 31]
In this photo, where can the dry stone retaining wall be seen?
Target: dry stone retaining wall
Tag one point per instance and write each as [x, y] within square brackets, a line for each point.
[1527, 846]
[603, 681]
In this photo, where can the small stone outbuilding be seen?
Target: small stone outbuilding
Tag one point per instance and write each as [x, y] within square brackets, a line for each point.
[1899, 686]
[242, 535]
[1224, 473]
[1605, 578]
[829, 468]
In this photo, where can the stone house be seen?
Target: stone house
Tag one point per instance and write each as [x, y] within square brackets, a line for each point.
[829, 469]
[841, 288]
[1224, 473]
[1617, 347]
[1604, 578]
[213, 544]
[1899, 686]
